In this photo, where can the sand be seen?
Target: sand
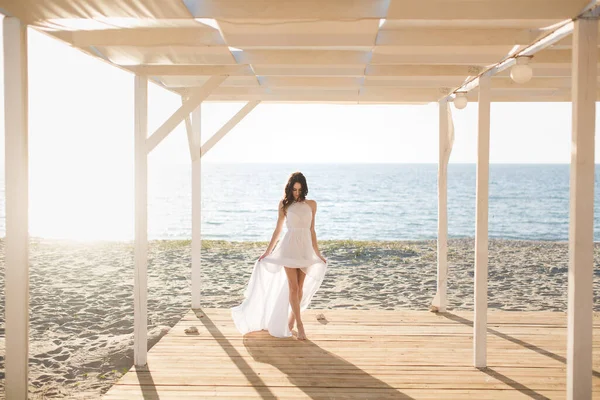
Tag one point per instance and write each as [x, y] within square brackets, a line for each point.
[81, 309]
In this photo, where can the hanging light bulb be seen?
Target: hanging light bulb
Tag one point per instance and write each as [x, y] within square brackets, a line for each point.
[521, 72]
[460, 101]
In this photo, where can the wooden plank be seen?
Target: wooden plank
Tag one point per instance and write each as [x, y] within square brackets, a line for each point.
[146, 393]
[485, 9]
[289, 10]
[200, 35]
[456, 37]
[191, 70]
[398, 358]
[304, 57]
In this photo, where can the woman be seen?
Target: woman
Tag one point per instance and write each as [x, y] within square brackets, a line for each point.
[284, 280]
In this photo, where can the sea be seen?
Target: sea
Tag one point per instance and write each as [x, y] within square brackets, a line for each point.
[355, 201]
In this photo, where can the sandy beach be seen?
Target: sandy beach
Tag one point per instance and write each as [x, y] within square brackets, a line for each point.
[81, 309]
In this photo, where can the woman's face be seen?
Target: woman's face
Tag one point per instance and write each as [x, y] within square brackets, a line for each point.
[297, 190]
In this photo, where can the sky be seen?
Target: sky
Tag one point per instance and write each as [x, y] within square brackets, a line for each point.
[81, 111]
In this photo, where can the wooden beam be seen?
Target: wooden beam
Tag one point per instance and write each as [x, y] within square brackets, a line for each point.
[17, 205]
[186, 108]
[456, 37]
[289, 10]
[390, 92]
[308, 57]
[191, 70]
[140, 277]
[485, 9]
[307, 92]
[228, 126]
[198, 81]
[423, 70]
[333, 97]
[389, 97]
[322, 41]
[435, 58]
[558, 57]
[540, 71]
[306, 82]
[400, 70]
[309, 70]
[481, 225]
[537, 96]
[395, 84]
[535, 83]
[144, 37]
[389, 37]
[190, 137]
[413, 82]
[581, 218]
[169, 55]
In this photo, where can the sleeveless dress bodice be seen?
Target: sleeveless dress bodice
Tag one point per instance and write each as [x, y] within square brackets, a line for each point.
[299, 216]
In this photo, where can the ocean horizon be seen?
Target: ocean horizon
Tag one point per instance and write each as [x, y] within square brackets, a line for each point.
[355, 201]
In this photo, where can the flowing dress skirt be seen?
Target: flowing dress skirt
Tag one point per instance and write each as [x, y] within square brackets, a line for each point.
[266, 299]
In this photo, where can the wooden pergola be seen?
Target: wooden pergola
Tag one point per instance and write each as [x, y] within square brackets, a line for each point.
[334, 51]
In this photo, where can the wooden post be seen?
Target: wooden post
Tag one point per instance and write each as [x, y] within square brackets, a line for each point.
[17, 204]
[440, 300]
[196, 151]
[481, 225]
[140, 278]
[581, 219]
[196, 206]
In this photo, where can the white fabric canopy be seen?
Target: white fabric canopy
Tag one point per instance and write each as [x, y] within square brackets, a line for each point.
[362, 51]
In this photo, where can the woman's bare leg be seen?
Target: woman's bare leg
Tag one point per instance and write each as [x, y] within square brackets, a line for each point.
[301, 277]
[292, 275]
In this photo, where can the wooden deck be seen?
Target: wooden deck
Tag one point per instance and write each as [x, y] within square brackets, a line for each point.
[360, 355]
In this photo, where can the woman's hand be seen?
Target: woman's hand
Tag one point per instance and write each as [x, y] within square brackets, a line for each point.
[266, 253]
[323, 258]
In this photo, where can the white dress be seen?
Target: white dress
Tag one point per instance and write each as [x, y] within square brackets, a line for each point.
[266, 303]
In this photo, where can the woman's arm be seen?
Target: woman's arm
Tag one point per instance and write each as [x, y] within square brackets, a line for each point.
[313, 232]
[277, 232]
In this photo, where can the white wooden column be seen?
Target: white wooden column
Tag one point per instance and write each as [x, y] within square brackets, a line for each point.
[140, 278]
[440, 301]
[481, 225]
[195, 142]
[581, 219]
[17, 204]
[196, 151]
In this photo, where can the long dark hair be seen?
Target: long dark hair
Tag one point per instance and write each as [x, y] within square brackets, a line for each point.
[288, 197]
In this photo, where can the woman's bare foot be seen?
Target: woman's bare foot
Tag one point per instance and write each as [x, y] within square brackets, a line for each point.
[291, 322]
[301, 333]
